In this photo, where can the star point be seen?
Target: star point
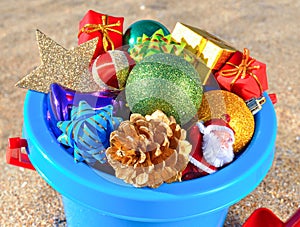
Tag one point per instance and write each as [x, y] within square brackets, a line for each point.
[69, 68]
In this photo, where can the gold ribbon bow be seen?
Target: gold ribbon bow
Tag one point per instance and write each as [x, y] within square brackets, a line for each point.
[240, 71]
[104, 28]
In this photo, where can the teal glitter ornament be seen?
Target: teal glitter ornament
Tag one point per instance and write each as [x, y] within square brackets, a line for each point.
[88, 132]
[138, 28]
[165, 82]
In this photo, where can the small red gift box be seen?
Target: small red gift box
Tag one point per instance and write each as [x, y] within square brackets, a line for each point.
[243, 75]
[109, 29]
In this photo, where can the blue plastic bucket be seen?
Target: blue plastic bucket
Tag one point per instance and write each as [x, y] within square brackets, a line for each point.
[91, 200]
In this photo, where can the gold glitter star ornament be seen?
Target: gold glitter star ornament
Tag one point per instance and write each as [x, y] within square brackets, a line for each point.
[69, 68]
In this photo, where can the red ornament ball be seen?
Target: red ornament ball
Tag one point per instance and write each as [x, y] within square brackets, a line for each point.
[111, 69]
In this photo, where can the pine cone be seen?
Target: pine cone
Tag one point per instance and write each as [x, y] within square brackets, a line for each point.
[150, 150]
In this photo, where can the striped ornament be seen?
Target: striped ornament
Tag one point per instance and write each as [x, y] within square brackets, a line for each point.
[110, 70]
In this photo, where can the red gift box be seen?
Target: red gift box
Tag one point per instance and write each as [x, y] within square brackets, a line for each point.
[243, 75]
[109, 29]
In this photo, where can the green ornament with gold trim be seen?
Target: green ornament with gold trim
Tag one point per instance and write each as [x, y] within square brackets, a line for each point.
[164, 82]
[159, 42]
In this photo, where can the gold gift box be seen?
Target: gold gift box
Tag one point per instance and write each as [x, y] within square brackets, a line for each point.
[213, 51]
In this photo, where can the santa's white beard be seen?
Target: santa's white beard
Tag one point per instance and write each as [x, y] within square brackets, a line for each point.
[214, 152]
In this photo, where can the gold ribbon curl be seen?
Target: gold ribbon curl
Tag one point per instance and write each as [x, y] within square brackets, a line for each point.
[104, 28]
[241, 70]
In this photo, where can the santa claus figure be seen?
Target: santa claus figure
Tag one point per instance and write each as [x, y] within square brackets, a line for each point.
[212, 147]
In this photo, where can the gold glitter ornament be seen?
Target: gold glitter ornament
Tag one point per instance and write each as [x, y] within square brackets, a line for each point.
[216, 103]
[69, 68]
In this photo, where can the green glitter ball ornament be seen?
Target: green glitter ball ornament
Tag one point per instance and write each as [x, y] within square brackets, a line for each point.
[164, 82]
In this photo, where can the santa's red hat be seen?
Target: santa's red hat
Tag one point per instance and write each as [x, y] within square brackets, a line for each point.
[218, 124]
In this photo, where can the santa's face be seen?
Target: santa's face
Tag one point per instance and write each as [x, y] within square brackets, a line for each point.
[217, 147]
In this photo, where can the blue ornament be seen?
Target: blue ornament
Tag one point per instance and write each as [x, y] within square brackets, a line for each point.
[88, 132]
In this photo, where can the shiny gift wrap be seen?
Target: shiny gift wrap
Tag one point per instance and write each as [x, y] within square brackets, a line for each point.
[109, 29]
[243, 75]
[218, 103]
[164, 82]
[88, 132]
[213, 51]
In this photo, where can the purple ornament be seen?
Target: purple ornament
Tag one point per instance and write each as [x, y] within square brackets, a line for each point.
[58, 103]
[61, 100]
[121, 108]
